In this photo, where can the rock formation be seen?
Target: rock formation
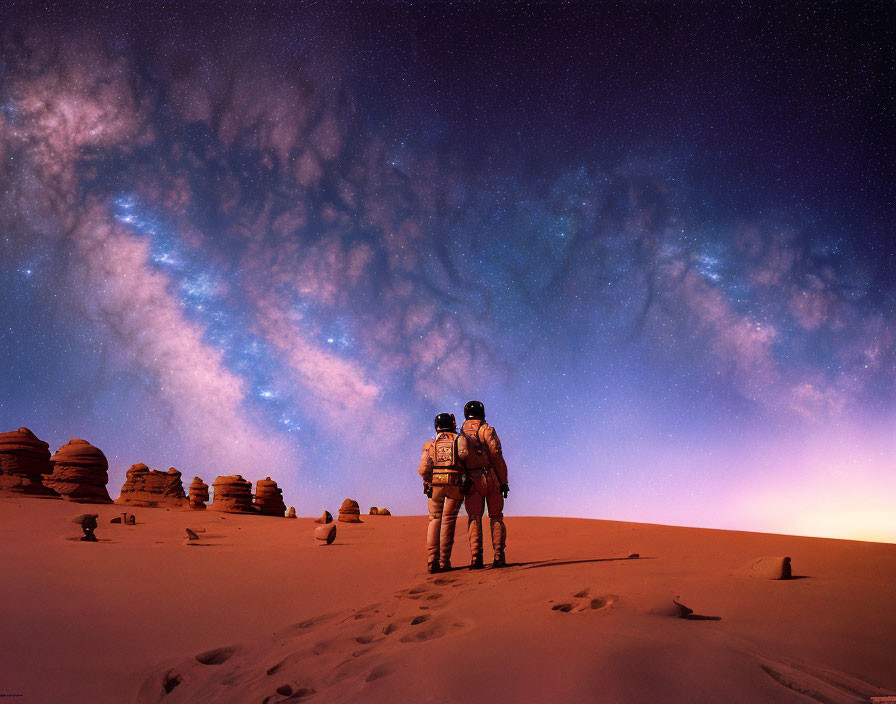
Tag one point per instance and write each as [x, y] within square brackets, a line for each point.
[126, 519]
[232, 494]
[325, 534]
[383, 512]
[771, 568]
[150, 487]
[88, 524]
[23, 461]
[80, 472]
[269, 498]
[373, 511]
[191, 536]
[292, 512]
[198, 494]
[350, 512]
[327, 517]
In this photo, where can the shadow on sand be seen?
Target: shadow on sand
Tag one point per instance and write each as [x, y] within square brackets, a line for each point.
[557, 563]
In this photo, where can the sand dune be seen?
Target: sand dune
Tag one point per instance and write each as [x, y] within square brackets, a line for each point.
[257, 612]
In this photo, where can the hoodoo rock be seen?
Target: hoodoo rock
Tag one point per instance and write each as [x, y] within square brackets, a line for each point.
[88, 524]
[198, 494]
[23, 461]
[269, 498]
[150, 487]
[373, 511]
[383, 512]
[350, 512]
[326, 517]
[80, 472]
[232, 494]
[292, 512]
[325, 534]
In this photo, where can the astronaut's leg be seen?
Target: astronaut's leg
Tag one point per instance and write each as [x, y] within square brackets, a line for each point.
[435, 505]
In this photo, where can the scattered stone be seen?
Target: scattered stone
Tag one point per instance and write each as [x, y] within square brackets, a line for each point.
[269, 498]
[771, 568]
[79, 472]
[634, 556]
[292, 512]
[152, 488]
[117, 519]
[325, 534]
[350, 512]
[88, 524]
[688, 613]
[373, 511]
[191, 536]
[232, 494]
[23, 461]
[198, 494]
[383, 512]
[327, 517]
[130, 519]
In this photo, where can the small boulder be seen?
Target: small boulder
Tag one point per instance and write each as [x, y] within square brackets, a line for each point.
[325, 534]
[373, 511]
[327, 517]
[350, 512]
[383, 512]
[292, 512]
[88, 524]
[191, 536]
[117, 519]
[771, 568]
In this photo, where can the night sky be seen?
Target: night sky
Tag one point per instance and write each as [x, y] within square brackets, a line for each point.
[658, 241]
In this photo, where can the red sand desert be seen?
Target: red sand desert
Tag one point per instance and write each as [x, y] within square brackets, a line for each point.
[255, 611]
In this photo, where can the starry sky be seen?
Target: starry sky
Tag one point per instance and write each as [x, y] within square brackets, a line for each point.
[656, 240]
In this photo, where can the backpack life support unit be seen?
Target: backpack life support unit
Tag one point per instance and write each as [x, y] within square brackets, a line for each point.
[477, 455]
[447, 468]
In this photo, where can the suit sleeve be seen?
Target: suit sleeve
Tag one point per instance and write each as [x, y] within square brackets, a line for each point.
[495, 455]
[424, 469]
[463, 449]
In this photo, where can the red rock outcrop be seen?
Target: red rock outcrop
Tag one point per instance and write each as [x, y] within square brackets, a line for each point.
[383, 512]
[291, 513]
[269, 498]
[326, 517]
[150, 487]
[350, 512]
[325, 534]
[23, 461]
[80, 473]
[198, 494]
[373, 511]
[232, 494]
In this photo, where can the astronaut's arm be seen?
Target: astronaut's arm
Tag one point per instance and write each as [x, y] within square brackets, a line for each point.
[424, 469]
[495, 455]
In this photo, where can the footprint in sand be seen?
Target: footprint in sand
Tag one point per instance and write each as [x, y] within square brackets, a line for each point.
[585, 602]
[378, 672]
[435, 628]
[217, 656]
[827, 686]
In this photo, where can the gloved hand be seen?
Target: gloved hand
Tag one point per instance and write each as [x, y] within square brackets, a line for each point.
[504, 489]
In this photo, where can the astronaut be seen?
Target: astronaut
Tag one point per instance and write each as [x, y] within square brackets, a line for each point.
[444, 474]
[487, 472]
